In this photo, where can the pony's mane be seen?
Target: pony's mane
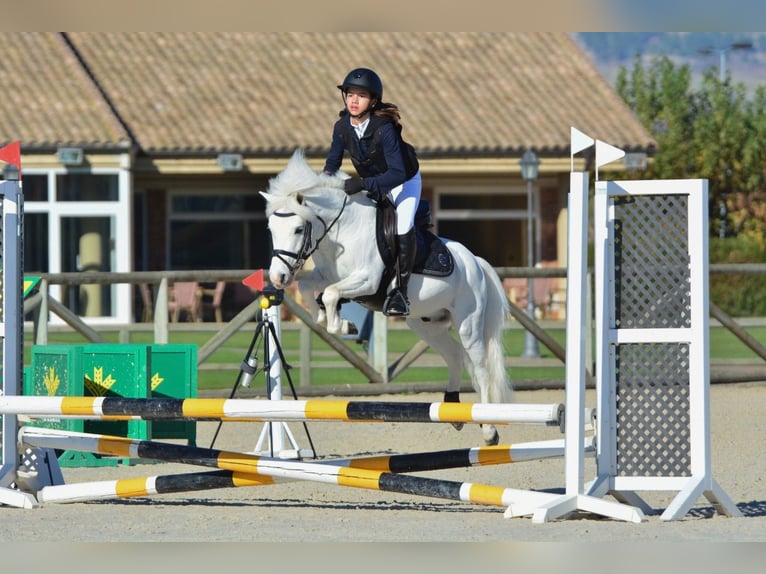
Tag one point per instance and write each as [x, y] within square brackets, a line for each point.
[298, 181]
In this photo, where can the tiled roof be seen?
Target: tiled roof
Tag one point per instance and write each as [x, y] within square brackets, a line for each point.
[47, 98]
[459, 93]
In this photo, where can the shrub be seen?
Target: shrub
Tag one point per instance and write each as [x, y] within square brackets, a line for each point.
[739, 294]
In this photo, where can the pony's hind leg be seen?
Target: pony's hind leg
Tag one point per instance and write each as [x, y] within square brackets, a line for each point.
[436, 334]
[470, 331]
[481, 380]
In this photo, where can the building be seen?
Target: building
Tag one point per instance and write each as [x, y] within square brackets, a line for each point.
[145, 151]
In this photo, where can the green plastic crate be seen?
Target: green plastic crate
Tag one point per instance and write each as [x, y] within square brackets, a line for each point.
[173, 371]
[55, 371]
[120, 370]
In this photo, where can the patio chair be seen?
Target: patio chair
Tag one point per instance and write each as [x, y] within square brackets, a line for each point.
[185, 297]
[214, 301]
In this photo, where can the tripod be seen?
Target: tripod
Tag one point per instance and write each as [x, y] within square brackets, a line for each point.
[273, 434]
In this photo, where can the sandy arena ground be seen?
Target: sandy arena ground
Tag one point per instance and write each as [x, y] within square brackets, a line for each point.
[313, 512]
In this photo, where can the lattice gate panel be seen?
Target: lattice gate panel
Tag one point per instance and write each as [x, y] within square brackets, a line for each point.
[653, 422]
[652, 276]
[652, 291]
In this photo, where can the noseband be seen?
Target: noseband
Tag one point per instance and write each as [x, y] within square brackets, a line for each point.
[306, 250]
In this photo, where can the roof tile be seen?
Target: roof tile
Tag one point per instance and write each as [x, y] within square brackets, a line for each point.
[460, 93]
[48, 98]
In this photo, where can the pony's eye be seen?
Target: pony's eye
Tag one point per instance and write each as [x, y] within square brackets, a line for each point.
[299, 230]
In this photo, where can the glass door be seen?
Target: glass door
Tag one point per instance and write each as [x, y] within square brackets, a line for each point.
[87, 247]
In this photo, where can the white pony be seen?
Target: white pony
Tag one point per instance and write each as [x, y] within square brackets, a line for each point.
[309, 215]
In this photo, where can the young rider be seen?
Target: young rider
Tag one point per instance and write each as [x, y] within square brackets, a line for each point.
[369, 130]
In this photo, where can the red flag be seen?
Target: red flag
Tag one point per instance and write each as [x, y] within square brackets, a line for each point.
[255, 281]
[12, 154]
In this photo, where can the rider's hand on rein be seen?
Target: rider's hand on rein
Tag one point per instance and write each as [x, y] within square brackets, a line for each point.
[353, 185]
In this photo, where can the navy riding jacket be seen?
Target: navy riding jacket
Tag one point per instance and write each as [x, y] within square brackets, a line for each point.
[381, 158]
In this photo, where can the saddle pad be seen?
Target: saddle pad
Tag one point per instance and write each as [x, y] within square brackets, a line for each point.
[433, 257]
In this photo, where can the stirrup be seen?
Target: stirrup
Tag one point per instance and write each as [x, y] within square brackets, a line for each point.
[396, 304]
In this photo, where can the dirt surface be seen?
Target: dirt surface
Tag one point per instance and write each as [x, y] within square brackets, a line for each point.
[302, 511]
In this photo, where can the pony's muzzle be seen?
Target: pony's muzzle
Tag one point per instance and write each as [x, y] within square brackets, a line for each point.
[280, 280]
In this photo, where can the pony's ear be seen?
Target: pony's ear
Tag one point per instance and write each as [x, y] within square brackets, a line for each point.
[265, 196]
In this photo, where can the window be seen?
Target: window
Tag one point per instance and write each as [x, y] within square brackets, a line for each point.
[87, 187]
[36, 243]
[217, 231]
[35, 188]
[490, 224]
[79, 221]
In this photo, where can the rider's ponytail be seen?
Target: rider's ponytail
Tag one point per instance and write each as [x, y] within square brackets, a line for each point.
[390, 111]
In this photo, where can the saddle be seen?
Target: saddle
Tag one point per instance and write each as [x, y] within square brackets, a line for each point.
[432, 256]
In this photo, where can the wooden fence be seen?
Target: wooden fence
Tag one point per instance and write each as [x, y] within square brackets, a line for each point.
[377, 370]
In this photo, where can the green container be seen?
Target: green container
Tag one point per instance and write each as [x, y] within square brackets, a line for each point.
[55, 371]
[106, 370]
[173, 371]
[117, 371]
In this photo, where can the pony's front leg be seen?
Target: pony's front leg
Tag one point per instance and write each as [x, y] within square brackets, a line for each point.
[331, 298]
[349, 288]
[308, 286]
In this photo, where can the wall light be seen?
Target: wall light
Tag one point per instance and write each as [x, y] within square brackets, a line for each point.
[70, 155]
[230, 161]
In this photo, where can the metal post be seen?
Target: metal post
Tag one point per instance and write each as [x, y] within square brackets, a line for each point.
[736, 46]
[722, 67]
[11, 332]
[531, 348]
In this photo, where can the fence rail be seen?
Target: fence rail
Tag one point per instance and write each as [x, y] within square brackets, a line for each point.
[378, 371]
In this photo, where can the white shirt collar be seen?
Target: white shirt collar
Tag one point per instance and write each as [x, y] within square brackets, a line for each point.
[361, 127]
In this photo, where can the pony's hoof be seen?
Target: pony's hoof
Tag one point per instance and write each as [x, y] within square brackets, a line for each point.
[493, 440]
[458, 426]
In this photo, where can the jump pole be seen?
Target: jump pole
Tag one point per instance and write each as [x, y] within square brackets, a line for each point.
[245, 475]
[257, 410]
[252, 469]
[150, 485]
[520, 502]
[38, 437]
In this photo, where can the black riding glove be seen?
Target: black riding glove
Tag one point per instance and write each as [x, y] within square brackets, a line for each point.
[353, 185]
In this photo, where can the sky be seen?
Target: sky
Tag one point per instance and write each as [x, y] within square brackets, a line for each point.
[394, 15]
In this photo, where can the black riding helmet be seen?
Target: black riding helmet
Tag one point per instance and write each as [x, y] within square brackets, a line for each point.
[365, 79]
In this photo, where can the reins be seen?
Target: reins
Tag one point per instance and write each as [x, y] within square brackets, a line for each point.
[306, 251]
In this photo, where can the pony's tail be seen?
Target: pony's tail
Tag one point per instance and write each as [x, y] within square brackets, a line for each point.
[497, 310]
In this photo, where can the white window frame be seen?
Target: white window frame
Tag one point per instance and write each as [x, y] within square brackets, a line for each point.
[118, 211]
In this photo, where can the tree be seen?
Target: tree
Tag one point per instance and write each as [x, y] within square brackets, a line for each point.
[713, 133]
[661, 98]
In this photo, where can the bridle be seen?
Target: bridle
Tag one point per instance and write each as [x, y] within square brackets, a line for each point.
[306, 251]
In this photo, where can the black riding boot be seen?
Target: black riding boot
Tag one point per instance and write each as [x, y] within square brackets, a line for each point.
[397, 303]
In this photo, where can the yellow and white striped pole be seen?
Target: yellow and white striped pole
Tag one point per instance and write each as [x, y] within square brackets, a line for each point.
[118, 408]
[380, 472]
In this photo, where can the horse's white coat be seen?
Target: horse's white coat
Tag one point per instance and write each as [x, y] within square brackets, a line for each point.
[347, 265]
